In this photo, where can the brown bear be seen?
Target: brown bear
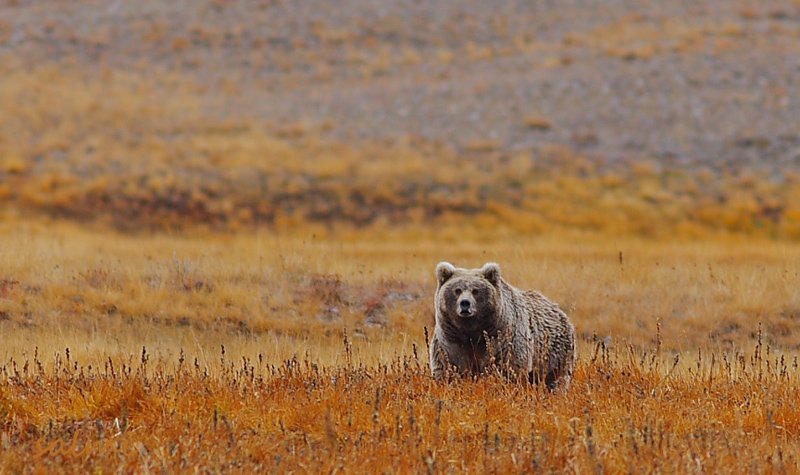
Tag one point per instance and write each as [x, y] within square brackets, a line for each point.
[484, 323]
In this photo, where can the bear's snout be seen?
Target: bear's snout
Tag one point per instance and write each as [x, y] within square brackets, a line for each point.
[465, 307]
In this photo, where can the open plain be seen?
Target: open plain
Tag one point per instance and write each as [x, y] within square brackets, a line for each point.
[219, 223]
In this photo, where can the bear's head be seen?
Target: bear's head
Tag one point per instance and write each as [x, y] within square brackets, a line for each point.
[468, 298]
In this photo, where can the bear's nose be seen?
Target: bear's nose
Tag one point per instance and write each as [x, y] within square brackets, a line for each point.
[464, 304]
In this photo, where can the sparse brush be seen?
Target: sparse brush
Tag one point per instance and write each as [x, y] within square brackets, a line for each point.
[172, 372]
[358, 416]
[212, 174]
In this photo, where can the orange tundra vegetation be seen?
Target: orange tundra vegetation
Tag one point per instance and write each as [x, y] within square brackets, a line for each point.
[627, 411]
[129, 155]
[313, 270]
[241, 295]
[300, 352]
[189, 282]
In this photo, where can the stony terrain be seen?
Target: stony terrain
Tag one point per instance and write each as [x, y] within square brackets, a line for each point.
[711, 83]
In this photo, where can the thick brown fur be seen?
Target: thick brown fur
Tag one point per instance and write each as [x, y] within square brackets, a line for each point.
[484, 323]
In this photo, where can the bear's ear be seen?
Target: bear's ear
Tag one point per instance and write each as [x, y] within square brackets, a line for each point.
[444, 270]
[491, 272]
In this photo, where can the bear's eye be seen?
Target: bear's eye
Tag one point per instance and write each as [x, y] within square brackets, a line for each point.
[458, 291]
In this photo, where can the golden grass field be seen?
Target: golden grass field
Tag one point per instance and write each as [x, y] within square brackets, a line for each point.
[306, 352]
[173, 313]
[202, 308]
[218, 233]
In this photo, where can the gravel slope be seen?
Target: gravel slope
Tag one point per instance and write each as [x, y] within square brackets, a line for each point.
[712, 83]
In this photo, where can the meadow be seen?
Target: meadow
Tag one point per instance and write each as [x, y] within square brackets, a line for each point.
[219, 223]
[303, 352]
[247, 297]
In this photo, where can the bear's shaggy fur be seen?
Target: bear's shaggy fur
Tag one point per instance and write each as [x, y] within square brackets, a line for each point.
[482, 322]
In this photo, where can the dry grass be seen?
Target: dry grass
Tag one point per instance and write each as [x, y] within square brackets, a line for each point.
[316, 243]
[378, 282]
[306, 351]
[119, 151]
[185, 287]
[626, 411]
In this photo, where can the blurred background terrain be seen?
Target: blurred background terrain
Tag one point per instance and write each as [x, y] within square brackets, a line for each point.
[413, 132]
[623, 117]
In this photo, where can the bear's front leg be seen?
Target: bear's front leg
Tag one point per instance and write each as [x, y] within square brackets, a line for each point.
[448, 360]
[438, 359]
